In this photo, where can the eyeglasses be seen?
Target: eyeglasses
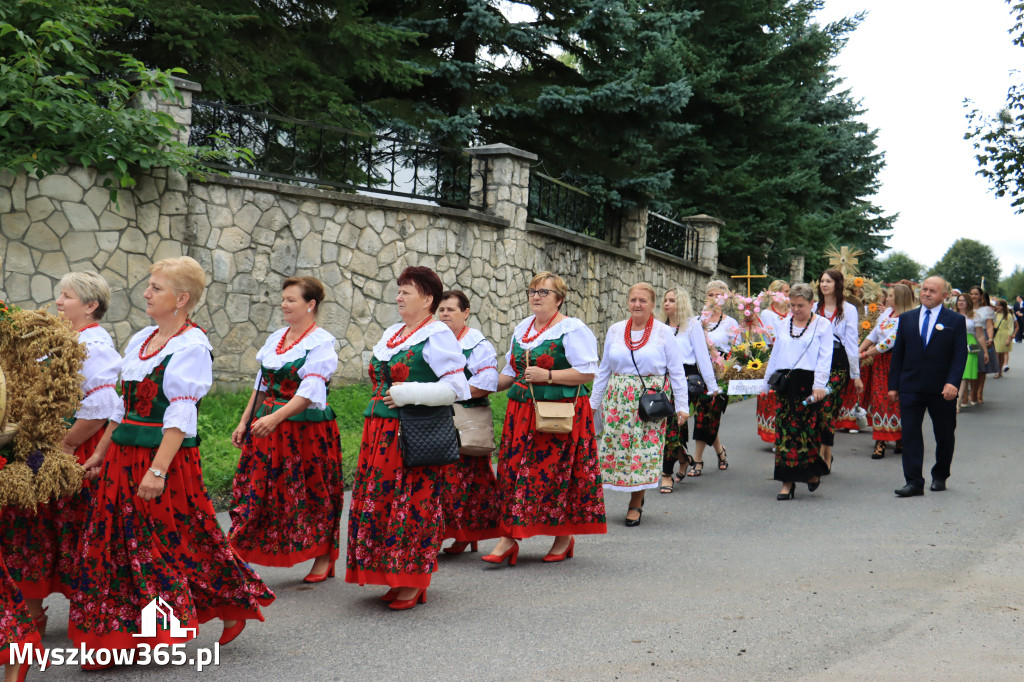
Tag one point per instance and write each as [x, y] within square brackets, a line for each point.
[543, 293]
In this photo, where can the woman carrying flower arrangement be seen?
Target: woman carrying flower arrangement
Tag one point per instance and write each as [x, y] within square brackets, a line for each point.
[774, 307]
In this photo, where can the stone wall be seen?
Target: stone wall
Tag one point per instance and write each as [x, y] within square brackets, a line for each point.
[250, 235]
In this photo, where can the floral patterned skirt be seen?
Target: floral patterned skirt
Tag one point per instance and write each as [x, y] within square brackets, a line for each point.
[846, 418]
[288, 494]
[867, 377]
[135, 551]
[549, 483]
[798, 441]
[469, 498]
[628, 448]
[832, 403]
[395, 519]
[708, 417]
[42, 544]
[767, 404]
[884, 413]
[15, 622]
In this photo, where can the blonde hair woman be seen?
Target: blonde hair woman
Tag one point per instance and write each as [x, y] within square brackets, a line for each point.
[722, 333]
[156, 535]
[639, 352]
[548, 483]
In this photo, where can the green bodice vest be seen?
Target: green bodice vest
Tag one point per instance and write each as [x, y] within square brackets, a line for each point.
[554, 349]
[406, 365]
[144, 407]
[282, 383]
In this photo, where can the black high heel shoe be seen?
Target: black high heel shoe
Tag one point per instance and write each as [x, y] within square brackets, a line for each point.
[879, 451]
[787, 496]
[633, 523]
[811, 486]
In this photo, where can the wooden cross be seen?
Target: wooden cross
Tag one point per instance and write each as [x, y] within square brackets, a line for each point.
[749, 276]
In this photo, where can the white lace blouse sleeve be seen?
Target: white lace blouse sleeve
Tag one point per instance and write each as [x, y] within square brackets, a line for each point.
[701, 351]
[483, 365]
[320, 366]
[188, 377]
[852, 340]
[823, 365]
[507, 369]
[604, 373]
[100, 370]
[581, 350]
[446, 360]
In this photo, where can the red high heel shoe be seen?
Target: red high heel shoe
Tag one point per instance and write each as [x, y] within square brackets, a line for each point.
[390, 595]
[567, 554]
[232, 632]
[320, 577]
[512, 554]
[460, 547]
[401, 605]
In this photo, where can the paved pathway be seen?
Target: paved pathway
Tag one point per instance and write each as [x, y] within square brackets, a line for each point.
[720, 582]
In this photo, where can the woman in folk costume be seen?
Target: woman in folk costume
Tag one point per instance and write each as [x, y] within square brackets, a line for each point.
[843, 315]
[548, 483]
[638, 352]
[803, 355]
[42, 543]
[395, 519]
[774, 307]
[153, 534]
[688, 332]
[722, 333]
[885, 413]
[470, 493]
[289, 487]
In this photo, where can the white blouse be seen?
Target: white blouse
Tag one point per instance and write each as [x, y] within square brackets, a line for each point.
[482, 362]
[658, 357]
[885, 333]
[186, 379]
[579, 342]
[972, 323]
[770, 320]
[320, 349]
[812, 351]
[99, 371]
[441, 352]
[724, 334]
[982, 316]
[693, 348]
[874, 336]
[845, 331]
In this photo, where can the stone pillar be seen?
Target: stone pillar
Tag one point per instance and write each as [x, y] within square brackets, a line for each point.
[501, 182]
[796, 269]
[180, 109]
[634, 232]
[710, 229]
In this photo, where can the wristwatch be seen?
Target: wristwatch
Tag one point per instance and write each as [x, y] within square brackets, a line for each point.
[158, 473]
[549, 376]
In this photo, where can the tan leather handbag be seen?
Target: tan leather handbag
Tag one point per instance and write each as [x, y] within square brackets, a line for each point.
[476, 430]
[550, 416]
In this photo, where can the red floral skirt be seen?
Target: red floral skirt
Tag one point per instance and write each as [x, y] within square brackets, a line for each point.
[394, 521]
[846, 418]
[42, 544]
[548, 483]
[708, 418]
[767, 405]
[288, 494]
[135, 551]
[884, 413]
[469, 500]
[15, 622]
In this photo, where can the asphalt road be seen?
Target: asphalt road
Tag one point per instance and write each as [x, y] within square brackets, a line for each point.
[720, 582]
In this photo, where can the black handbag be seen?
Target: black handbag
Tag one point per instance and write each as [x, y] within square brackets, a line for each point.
[654, 403]
[427, 435]
[778, 381]
[696, 386]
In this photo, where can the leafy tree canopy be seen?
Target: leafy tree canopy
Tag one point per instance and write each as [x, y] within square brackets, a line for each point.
[897, 265]
[966, 263]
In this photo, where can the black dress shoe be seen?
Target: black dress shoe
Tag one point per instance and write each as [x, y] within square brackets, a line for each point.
[909, 491]
[938, 485]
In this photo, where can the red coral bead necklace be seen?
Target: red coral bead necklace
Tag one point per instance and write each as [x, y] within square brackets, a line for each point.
[145, 344]
[89, 326]
[643, 339]
[280, 344]
[529, 339]
[465, 330]
[397, 340]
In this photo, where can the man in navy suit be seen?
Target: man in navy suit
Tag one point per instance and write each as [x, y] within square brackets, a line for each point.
[928, 359]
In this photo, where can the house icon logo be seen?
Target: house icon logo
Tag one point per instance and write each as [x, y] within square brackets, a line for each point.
[160, 612]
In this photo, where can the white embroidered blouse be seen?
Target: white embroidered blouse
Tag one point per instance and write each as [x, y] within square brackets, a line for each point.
[693, 348]
[845, 331]
[441, 352]
[579, 342]
[812, 351]
[658, 357]
[186, 379]
[99, 371]
[320, 349]
[482, 362]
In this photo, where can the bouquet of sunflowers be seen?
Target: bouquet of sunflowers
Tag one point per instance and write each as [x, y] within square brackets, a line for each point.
[747, 360]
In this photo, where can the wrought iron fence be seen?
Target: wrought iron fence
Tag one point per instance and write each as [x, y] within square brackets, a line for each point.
[553, 202]
[315, 154]
[672, 237]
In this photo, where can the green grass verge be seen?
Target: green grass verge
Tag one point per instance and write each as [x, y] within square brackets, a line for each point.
[221, 412]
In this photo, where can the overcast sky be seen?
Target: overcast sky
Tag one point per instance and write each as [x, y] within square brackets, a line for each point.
[912, 63]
